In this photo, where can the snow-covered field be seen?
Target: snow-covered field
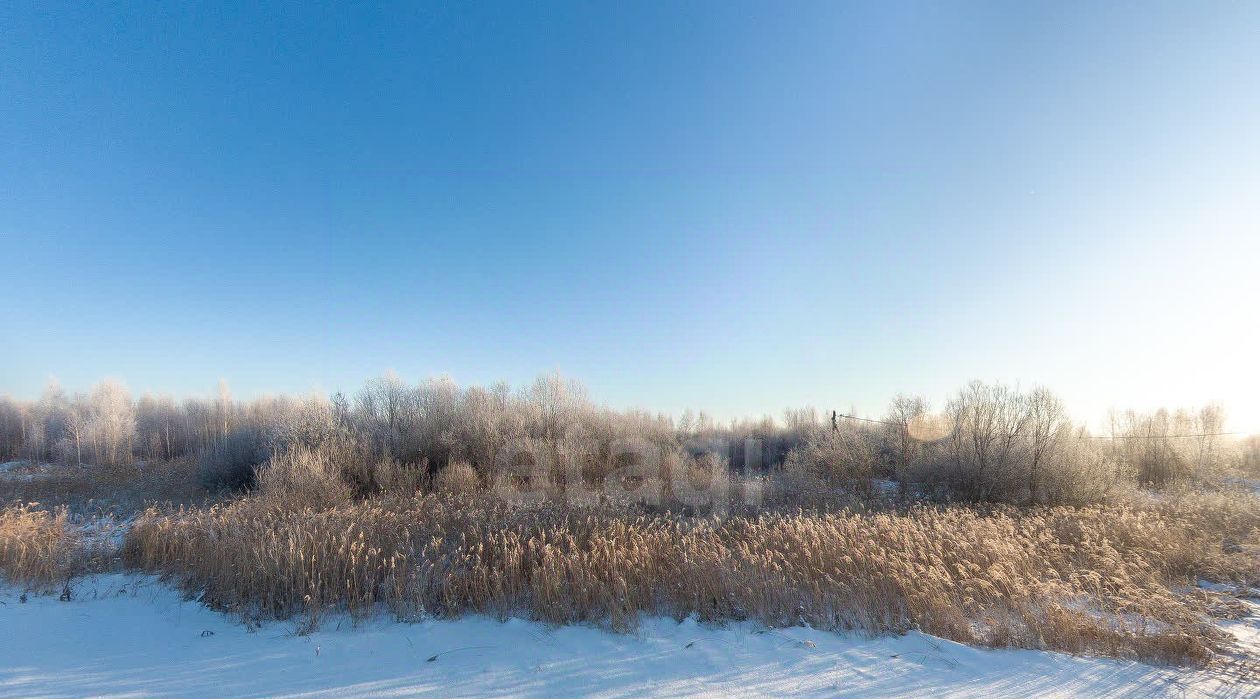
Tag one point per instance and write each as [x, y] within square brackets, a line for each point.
[133, 636]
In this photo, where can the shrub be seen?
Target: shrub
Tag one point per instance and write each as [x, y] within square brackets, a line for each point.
[389, 476]
[457, 477]
[828, 460]
[304, 477]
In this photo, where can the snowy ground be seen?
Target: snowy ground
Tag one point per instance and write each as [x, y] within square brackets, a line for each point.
[129, 636]
[11, 469]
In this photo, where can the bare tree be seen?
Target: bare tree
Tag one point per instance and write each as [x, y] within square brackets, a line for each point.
[989, 421]
[1047, 426]
[78, 425]
[113, 421]
[903, 414]
[1208, 425]
[382, 403]
[224, 408]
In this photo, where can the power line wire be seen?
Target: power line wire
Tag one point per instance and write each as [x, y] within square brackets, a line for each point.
[865, 419]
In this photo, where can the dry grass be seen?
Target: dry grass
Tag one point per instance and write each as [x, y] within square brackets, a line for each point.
[1113, 581]
[56, 520]
[38, 547]
[121, 489]
[303, 477]
[322, 533]
[458, 477]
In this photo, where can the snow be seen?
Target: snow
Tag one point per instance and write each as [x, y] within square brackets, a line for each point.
[124, 635]
[25, 471]
[9, 469]
[886, 488]
[1251, 485]
[104, 532]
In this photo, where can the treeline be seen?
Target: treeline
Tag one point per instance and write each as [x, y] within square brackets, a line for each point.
[989, 443]
[994, 443]
[107, 426]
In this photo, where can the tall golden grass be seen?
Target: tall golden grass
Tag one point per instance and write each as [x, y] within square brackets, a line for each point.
[1115, 581]
[325, 533]
[39, 547]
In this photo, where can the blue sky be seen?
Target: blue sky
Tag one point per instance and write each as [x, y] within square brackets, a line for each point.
[729, 206]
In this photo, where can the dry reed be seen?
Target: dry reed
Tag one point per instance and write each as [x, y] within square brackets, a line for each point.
[39, 548]
[1114, 581]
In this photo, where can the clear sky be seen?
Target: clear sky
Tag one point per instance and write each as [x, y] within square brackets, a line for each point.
[728, 206]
